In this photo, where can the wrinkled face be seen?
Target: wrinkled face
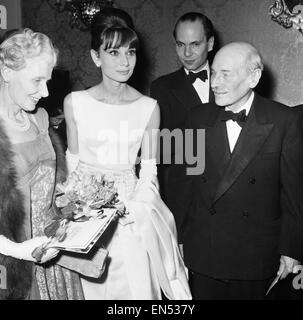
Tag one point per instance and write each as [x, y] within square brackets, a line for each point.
[231, 81]
[192, 46]
[28, 85]
[116, 64]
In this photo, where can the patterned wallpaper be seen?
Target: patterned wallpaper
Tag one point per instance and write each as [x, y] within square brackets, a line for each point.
[234, 20]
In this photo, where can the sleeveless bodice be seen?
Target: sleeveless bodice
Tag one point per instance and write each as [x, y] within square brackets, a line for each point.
[110, 136]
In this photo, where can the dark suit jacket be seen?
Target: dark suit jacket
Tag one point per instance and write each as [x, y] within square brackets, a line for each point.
[246, 209]
[176, 96]
[299, 110]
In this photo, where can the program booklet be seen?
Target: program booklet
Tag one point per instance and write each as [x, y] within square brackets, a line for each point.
[82, 235]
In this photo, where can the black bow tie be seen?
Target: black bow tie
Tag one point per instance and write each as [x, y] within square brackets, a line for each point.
[193, 76]
[239, 117]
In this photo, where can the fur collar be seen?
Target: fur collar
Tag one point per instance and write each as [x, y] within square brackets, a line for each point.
[11, 218]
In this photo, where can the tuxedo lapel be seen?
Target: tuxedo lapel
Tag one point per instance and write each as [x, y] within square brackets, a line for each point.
[217, 156]
[251, 139]
[217, 152]
[185, 91]
[217, 147]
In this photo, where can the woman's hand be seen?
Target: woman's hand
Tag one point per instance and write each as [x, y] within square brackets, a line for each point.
[49, 254]
[25, 249]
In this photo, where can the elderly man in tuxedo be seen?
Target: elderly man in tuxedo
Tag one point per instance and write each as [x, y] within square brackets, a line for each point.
[243, 221]
[183, 89]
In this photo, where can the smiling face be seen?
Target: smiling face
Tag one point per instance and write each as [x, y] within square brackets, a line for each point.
[231, 80]
[192, 46]
[116, 64]
[29, 84]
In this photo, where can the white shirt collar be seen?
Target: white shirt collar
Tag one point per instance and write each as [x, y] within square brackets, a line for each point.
[246, 105]
[205, 67]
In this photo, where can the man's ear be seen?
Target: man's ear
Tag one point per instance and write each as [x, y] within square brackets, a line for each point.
[210, 43]
[95, 56]
[6, 73]
[255, 77]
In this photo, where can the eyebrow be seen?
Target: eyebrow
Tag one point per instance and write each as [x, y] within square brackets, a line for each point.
[196, 41]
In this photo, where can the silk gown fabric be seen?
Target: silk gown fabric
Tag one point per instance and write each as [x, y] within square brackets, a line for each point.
[36, 164]
[143, 251]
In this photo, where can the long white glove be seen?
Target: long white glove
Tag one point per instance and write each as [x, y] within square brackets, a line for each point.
[72, 161]
[148, 172]
[23, 250]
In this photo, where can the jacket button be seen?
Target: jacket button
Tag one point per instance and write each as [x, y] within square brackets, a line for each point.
[203, 179]
[252, 180]
[245, 213]
[212, 211]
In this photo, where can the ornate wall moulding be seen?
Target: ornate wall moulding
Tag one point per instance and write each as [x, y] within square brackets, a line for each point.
[288, 13]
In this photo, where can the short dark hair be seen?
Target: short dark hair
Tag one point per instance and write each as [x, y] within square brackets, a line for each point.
[113, 27]
[193, 16]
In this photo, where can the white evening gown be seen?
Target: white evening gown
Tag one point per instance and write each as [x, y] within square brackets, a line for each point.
[143, 251]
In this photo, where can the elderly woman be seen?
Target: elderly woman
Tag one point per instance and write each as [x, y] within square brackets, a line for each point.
[27, 59]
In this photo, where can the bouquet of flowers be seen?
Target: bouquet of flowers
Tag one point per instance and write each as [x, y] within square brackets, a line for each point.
[81, 197]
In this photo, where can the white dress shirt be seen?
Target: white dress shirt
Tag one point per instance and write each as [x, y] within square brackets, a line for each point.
[232, 127]
[201, 87]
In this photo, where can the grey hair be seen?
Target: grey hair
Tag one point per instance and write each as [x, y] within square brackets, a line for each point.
[254, 60]
[24, 44]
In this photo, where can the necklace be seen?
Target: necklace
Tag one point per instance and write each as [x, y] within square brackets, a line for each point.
[21, 122]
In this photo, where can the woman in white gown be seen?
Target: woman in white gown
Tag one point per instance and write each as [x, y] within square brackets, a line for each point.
[107, 125]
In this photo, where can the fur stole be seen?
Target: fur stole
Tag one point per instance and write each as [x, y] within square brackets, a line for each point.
[18, 272]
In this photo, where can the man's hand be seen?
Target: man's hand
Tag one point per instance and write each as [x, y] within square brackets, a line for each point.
[287, 265]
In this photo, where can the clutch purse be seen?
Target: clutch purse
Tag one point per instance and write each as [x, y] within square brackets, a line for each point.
[91, 264]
